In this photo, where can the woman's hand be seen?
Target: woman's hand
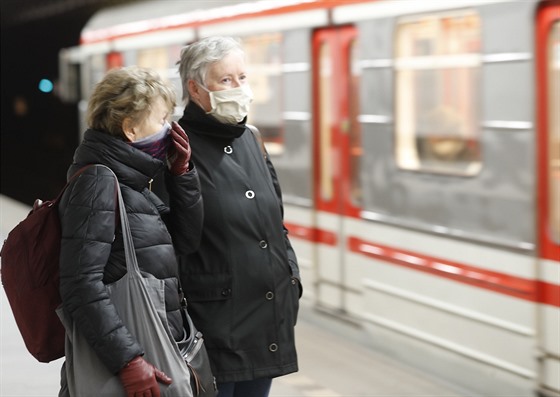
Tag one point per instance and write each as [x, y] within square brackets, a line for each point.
[140, 378]
[179, 152]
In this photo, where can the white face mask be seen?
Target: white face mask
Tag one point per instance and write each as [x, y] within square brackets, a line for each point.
[230, 106]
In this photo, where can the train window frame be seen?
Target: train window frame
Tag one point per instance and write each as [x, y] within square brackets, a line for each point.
[445, 136]
[326, 183]
[553, 138]
[355, 132]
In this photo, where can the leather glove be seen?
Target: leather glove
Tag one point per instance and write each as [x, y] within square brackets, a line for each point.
[140, 378]
[179, 152]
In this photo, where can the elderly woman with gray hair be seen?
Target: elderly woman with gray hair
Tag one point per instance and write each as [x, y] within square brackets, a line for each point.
[243, 283]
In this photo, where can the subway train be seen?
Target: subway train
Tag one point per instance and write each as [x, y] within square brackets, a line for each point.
[418, 148]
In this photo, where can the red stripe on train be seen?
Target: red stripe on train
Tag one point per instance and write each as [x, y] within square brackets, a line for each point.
[548, 293]
[530, 290]
[494, 281]
[312, 234]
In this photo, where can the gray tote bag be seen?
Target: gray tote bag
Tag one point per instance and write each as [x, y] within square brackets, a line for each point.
[141, 306]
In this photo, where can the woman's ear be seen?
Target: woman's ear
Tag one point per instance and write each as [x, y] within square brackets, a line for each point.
[128, 129]
[194, 90]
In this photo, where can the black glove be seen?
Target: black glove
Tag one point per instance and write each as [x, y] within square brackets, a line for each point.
[179, 152]
[141, 378]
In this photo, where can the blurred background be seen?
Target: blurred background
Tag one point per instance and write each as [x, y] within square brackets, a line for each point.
[39, 132]
[417, 144]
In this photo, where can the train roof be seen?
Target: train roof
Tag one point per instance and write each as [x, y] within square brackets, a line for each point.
[149, 15]
[124, 21]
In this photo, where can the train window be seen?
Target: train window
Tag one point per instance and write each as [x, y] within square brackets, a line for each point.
[554, 130]
[355, 131]
[264, 66]
[155, 58]
[437, 70]
[164, 61]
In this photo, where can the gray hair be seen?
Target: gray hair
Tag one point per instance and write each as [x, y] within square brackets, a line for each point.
[198, 56]
[126, 93]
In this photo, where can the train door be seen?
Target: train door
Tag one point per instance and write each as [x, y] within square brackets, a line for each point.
[336, 159]
[548, 95]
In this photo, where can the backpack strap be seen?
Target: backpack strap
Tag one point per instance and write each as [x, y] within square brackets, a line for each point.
[39, 203]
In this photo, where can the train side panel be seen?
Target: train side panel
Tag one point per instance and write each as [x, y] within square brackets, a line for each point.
[407, 145]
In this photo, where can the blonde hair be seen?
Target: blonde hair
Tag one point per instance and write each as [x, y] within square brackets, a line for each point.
[124, 93]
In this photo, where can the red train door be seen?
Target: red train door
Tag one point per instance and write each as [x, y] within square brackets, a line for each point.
[336, 160]
[548, 155]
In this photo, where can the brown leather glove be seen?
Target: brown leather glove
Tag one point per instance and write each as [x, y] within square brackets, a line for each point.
[141, 378]
[179, 152]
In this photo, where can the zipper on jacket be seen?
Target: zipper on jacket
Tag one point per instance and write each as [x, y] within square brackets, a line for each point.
[150, 184]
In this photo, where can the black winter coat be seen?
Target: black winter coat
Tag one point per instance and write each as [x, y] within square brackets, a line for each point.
[92, 252]
[242, 285]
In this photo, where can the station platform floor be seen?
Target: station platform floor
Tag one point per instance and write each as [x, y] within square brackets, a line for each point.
[332, 359]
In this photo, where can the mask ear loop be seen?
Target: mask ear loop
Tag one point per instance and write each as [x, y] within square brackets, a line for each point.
[208, 91]
[204, 88]
[212, 99]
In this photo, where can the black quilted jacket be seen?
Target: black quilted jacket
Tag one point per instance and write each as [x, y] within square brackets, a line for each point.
[92, 252]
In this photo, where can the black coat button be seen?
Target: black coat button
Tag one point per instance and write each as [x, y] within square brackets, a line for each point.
[226, 292]
[273, 347]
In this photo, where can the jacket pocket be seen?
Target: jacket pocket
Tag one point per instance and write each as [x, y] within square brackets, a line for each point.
[206, 287]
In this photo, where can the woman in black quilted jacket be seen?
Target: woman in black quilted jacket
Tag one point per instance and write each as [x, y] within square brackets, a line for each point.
[128, 132]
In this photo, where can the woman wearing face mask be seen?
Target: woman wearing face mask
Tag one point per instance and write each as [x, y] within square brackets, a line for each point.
[242, 284]
[130, 134]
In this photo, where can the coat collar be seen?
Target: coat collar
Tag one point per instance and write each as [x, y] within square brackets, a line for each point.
[196, 119]
[133, 167]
